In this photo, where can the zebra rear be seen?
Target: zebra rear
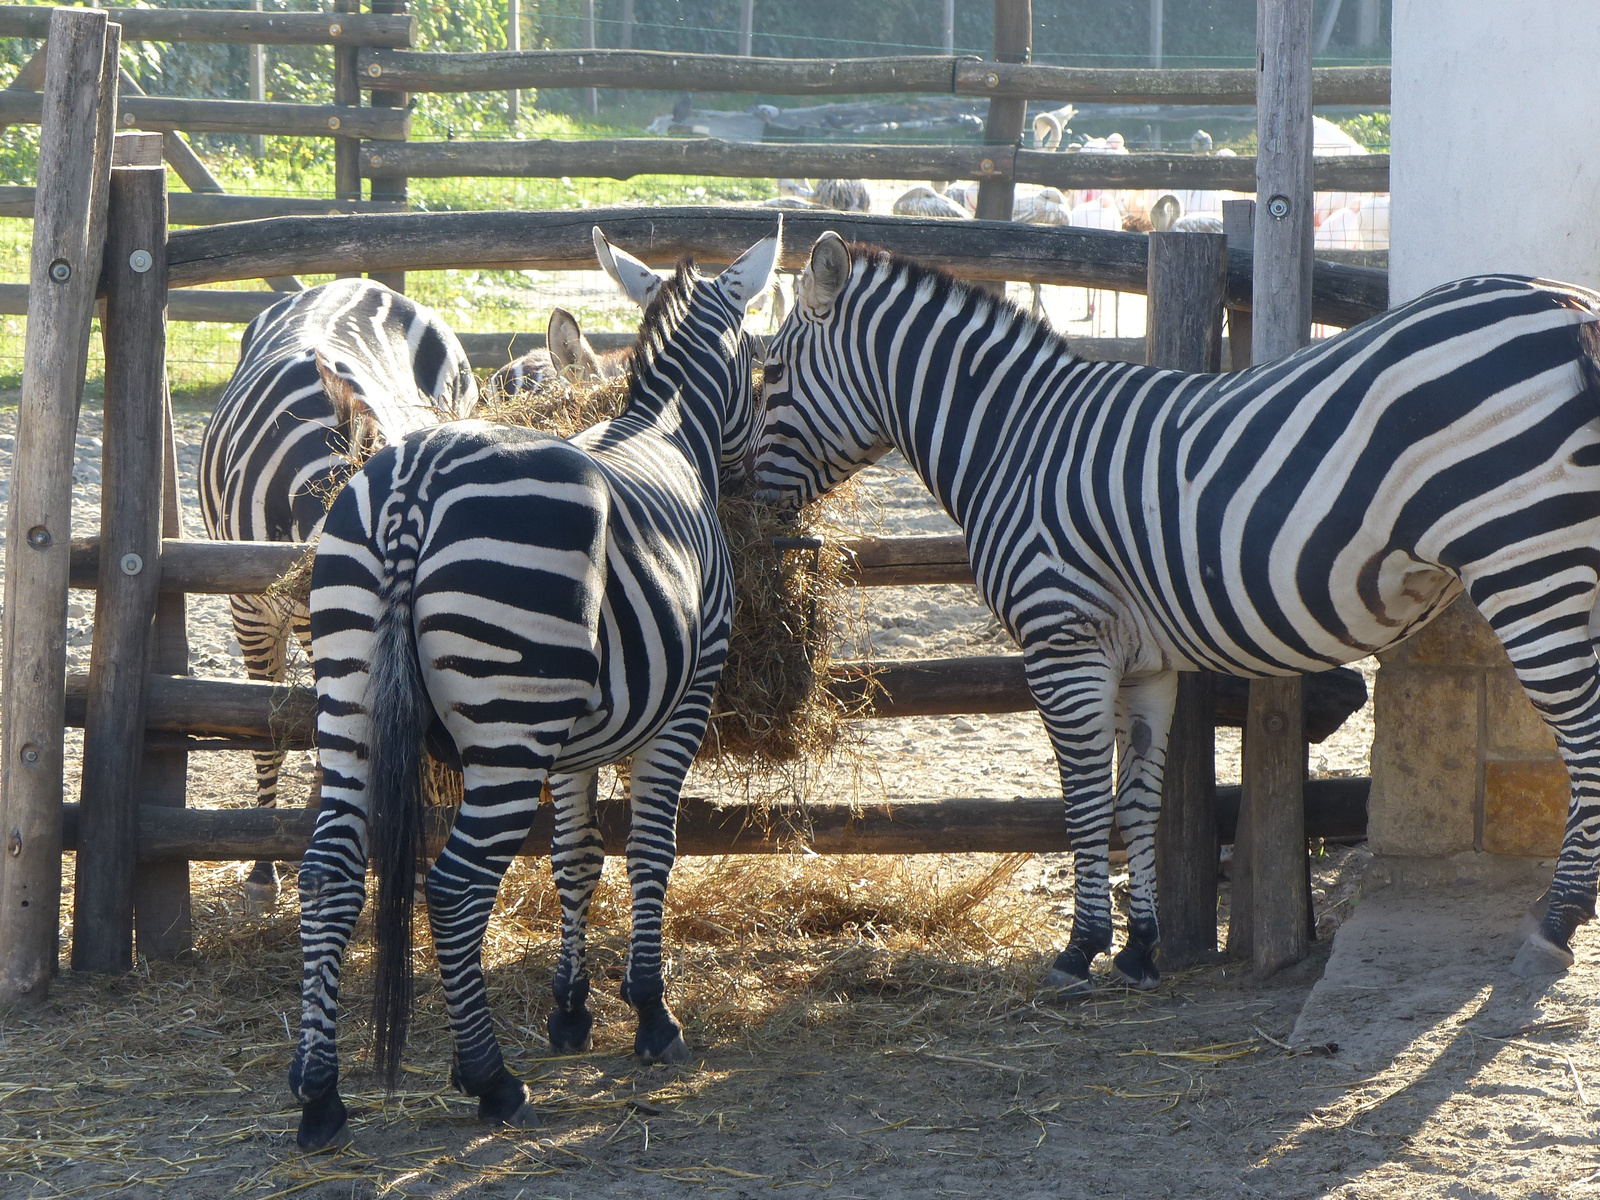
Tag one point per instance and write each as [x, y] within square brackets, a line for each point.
[323, 375]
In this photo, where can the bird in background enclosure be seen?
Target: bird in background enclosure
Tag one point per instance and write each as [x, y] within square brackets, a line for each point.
[845, 195]
[1167, 214]
[1050, 128]
[541, 607]
[324, 375]
[1125, 523]
[923, 201]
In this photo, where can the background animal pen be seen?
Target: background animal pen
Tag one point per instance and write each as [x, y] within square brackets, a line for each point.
[133, 822]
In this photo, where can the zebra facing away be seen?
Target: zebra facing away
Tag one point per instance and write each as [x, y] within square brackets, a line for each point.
[1126, 523]
[540, 608]
[321, 373]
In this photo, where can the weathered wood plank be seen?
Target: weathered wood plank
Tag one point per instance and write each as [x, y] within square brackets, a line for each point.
[1188, 282]
[1274, 768]
[1002, 126]
[231, 116]
[163, 916]
[250, 28]
[419, 71]
[191, 208]
[624, 158]
[1335, 809]
[1158, 85]
[135, 336]
[238, 708]
[561, 241]
[68, 238]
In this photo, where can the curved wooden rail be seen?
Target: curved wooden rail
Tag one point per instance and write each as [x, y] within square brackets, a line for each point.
[1341, 295]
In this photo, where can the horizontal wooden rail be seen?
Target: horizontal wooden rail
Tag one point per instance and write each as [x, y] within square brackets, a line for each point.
[231, 116]
[183, 304]
[214, 208]
[496, 71]
[1341, 295]
[209, 25]
[1336, 809]
[247, 709]
[201, 567]
[623, 158]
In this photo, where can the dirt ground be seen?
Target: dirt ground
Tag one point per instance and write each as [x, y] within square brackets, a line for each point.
[862, 1027]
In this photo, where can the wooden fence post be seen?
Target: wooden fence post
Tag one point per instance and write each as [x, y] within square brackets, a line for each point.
[1188, 280]
[135, 337]
[80, 96]
[1239, 226]
[390, 187]
[1274, 743]
[1013, 43]
[161, 908]
[346, 90]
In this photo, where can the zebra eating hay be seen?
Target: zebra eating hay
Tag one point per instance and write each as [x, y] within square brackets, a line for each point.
[322, 374]
[1126, 523]
[566, 351]
[537, 608]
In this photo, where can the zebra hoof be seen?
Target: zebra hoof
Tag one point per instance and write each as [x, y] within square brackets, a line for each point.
[505, 1102]
[570, 1032]
[260, 898]
[1058, 985]
[1538, 958]
[1140, 976]
[1534, 917]
[675, 1052]
[324, 1123]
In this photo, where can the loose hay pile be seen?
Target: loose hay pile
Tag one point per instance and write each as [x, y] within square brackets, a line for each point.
[773, 707]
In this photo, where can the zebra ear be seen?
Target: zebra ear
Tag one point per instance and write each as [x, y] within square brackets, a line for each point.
[568, 347]
[751, 274]
[636, 279]
[826, 273]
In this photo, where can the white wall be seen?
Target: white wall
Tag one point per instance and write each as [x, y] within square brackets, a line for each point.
[1496, 141]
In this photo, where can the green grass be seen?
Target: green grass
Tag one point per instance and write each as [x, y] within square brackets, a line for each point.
[200, 357]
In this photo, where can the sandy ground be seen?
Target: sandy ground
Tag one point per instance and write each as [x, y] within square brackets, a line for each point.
[845, 1056]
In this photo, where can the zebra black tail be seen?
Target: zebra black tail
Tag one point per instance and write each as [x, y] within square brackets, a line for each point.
[399, 712]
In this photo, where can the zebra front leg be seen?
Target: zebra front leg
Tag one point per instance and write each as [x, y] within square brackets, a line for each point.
[577, 856]
[1076, 694]
[656, 780]
[1144, 723]
[495, 817]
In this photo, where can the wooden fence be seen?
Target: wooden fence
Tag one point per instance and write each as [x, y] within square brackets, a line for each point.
[132, 835]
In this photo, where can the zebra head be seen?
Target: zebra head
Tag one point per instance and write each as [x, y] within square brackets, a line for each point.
[692, 345]
[820, 427]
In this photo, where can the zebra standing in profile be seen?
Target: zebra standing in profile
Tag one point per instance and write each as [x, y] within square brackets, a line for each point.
[323, 374]
[539, 608]
[1126, 523]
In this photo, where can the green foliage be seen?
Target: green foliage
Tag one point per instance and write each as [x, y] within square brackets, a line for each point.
[1370, 129]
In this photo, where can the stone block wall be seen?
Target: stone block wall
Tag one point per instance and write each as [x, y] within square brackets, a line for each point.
[1460, 760]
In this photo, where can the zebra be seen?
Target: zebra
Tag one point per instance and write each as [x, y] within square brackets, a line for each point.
[323, 374]
[566, 351]
[1126, 523]
[536, 608]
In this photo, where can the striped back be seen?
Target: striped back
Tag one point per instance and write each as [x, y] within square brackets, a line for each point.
[322, 374]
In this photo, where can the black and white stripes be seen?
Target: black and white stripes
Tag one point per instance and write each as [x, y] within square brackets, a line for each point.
[1126, 523]
[543, 608]
[321, 373]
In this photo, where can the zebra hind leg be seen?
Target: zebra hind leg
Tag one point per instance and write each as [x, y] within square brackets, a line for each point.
[1556, 664]
[577, 857]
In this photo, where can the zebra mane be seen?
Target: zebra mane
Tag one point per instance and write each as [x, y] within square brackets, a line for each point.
[658, 322]
[945, 285]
